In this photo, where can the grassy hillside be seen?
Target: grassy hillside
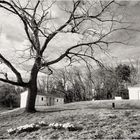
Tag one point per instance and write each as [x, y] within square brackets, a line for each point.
[3, 109]
[96, 118]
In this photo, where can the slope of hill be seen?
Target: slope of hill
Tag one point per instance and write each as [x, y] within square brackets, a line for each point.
[96, 118]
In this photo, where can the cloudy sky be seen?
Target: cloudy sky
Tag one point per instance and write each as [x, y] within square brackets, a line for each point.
[12, 38]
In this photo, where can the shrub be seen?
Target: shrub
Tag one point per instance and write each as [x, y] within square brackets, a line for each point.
[9, 96]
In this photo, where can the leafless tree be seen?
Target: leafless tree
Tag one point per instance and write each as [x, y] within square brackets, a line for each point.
[95, 22]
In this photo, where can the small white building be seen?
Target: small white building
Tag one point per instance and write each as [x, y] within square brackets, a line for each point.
[42, 99]
[134, 92]
[23, 99]
[118, 98]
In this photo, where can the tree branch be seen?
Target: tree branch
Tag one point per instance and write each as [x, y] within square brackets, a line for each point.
[85, 55]
[76, 4]
[14, 83]
[6, 62]
[21, 16]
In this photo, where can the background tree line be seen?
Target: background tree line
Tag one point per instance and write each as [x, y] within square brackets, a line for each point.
[85, 84]
[76, 84]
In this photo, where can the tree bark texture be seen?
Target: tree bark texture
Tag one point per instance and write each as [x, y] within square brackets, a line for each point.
[32, 89]
[31, 98]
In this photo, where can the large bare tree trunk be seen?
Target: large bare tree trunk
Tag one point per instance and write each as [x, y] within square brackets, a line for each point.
[32, 90]
[32, 93]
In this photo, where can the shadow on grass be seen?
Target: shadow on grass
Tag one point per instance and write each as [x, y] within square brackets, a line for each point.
[52, 110]
[116, 108]
[55, 110]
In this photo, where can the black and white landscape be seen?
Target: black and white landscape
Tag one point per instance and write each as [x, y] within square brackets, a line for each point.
[69, 69]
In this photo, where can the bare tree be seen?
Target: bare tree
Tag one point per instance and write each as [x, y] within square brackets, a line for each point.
[94, 21]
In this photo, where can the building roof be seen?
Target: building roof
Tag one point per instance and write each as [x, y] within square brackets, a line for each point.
[52, 95]
[41, 93]
[46, 94]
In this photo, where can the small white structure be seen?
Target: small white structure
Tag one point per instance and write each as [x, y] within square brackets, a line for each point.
[42, 99]
[134, 92]
[23, 99]
[118, 98]
[48, 100]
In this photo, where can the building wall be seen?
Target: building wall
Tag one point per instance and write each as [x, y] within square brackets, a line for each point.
[134, 93]
[41, 100]
[50, 100]
[58, 101]
[23, 99]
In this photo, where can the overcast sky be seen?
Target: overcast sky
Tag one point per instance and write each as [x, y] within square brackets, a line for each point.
[12, 37]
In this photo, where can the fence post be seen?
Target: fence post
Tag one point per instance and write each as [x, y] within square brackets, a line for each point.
[113, 105]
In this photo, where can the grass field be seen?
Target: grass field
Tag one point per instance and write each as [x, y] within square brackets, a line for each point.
[97, 119]
[3, 109]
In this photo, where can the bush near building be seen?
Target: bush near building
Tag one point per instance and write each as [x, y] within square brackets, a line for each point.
[9, 97]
